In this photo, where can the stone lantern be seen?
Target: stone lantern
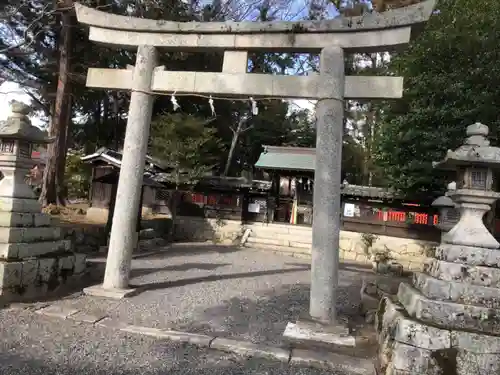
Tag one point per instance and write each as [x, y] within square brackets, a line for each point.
[448, 213]
[447, 320]
[474, 162]
[17, 137]
[34, 259]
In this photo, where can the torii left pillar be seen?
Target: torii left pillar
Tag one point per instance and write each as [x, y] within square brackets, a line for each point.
[124, 236]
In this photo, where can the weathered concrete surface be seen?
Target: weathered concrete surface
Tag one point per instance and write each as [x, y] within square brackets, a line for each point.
[327, 184]
[256, 85]
[457, 291]
[448, 314]
[472, 256]
[413, 347]
[124, 236]
[391, 19]
[476, 275]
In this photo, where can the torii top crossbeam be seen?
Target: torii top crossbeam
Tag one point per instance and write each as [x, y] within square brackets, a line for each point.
[369, 32]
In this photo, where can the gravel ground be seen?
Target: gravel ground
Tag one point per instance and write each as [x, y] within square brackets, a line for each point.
[31, 344]
[224, 291]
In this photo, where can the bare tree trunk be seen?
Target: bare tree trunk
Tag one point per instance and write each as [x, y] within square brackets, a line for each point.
[53, 179]
[236, 134]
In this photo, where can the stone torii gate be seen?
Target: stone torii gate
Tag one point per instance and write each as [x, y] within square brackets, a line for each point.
[374, 32]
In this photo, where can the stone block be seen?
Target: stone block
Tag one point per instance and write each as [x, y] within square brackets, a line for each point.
[457, 292]
[477, 275]
[472, 256]
[80, 263]
[67, 262]
[10, 274]
[447, 314]
[46, 270]
[413, 360]
[403, 329]
[28, 235]
[20, 205]
[27, 250]
[422, 336]
[350, 255]
[15, 219]
[41, 220]
[475, 342]
[29, 272]
[20, 219]
[368, 303]
[478, 364]
[345, 244]
[325, 336]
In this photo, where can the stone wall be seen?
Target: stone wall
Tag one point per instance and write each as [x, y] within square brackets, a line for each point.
[189, 228]
[410, 253]
[89, 238]
[86, 239]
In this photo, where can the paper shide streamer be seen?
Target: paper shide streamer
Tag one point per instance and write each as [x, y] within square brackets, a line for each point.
[174, 102]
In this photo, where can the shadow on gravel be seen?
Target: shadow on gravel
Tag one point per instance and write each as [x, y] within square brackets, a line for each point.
[203, 279]
[191, 249]
[264, 320]
[346, 266]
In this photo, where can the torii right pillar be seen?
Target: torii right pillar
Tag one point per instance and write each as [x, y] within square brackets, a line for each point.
[327, 186]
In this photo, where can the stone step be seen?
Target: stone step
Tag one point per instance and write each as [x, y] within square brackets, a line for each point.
[278, 242]
[448, 315]
[476, 275]
[18, 219]
[279, 228]
[24, 250]
[20, 205]
[294, 237]
[33, 234]
[473, 256]
[294, 251]
[457, 292]
[414, 346]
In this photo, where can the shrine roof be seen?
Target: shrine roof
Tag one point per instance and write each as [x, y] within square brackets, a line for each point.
[114, 158]
[287, 158]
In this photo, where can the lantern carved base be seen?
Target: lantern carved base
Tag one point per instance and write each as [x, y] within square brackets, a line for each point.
[470, 230]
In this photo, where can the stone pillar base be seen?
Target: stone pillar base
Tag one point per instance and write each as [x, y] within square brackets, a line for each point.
[311, 334]
[99, 291]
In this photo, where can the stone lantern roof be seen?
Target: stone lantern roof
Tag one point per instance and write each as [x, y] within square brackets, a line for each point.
[475, 151]
[18, 126]
[443, 201]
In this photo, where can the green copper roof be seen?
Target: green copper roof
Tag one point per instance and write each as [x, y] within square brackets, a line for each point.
[287, 158]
